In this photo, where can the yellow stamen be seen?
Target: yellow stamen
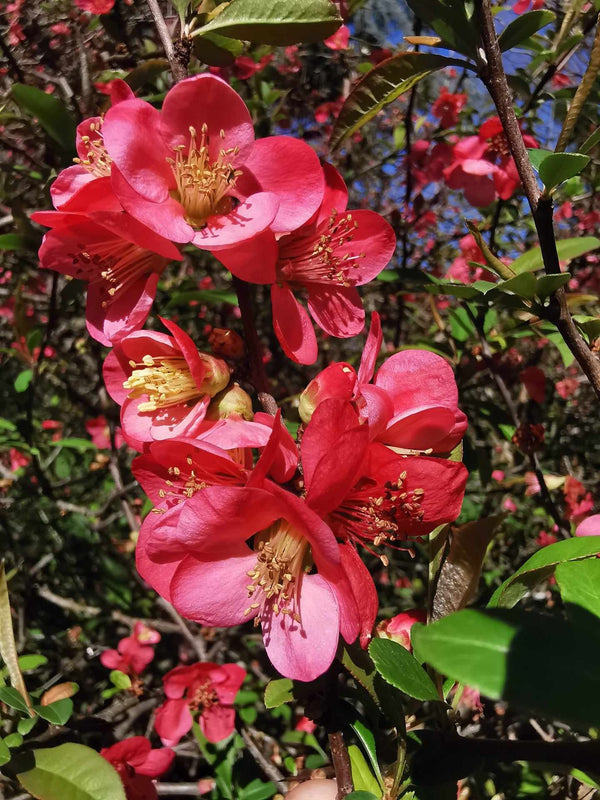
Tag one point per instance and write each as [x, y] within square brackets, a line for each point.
[166, 381]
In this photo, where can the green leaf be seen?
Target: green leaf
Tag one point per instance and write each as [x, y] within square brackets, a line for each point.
[548, 284]
[75, 444]
[452, 21]
[14, 241]
[11, 697]
[567, 249]
[257, 790]
[520, 657]
[13, 740]
[360, 795]
[559, 167]
[590, 142]
[32, 661]
[400, 668]
[4, 753]
[579, 583]
[72, 772]
[279, 691]
[537, 155]
[207, 296]
[382, 85]
[50, 112]
[26, 724]
[57, 713]
[368, 742]
[540, 566]
[278, 22]
[523, 285]
[362, 777]
[524, 26]
[119, 679]
[23, 380]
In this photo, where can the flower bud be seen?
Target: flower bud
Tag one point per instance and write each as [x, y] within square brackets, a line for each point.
[226, 343]
[398, 628]
[233, 400]
[217, 375]
[336, 380]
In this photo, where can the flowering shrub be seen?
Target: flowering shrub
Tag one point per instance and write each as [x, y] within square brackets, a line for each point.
[299, 440]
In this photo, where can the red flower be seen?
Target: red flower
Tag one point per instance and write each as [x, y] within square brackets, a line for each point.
[534, 381]
[163, 384]
[339, 40]
[133, 653]
[461, 270]
[193, 173]
[95, 6]
[327, 258]
[99, 430]
[204, 687]
[447, 107]
[523, 5]
[398, 628]
[137, 763]
[120, 258]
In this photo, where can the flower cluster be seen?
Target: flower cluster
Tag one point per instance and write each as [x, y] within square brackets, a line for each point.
[249, 524]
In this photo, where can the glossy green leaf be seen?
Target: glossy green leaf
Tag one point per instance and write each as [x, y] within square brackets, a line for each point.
[361, 795]
[279, 691]
[26, 724]
[257, 790]
[451, 20]
[381, 86]
[120, 680]
[401, 669]
[362, 777]
[217, 51]
[567, 249]
[33, 661]
[57, 713]
[23, 380]
[537, 155]
[11, 697]
[524, 26]
[4, 752]
[579, 583]
[50, 112]
[559, 167]
[520, 657]
[71, 772]
[540, 566]
[367, 740]
[522, 285]
[278, 22]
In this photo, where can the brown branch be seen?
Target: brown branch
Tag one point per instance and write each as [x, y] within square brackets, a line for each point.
[197, 642]
[178, 57]
[341, 764]
[491, 71]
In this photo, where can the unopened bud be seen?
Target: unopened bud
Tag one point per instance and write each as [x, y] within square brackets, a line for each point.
[398, 628]
[59, 692]
[336, 380]
[226, 343]
[216, 377]
[233, 400]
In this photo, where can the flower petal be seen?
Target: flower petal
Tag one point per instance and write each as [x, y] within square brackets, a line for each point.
[172, 721]
[248, 219]
[338, 310]
[292, 326]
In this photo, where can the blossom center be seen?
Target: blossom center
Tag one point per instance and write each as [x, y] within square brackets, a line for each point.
[316, 258]
[116, 263]
[374, 512]
[203, 184]
[185, 481]
[282, 557]
[97, 161]
[167, 381]
[204, 696]
[499, 144]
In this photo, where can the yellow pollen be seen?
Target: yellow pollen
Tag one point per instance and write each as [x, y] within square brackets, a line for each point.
[203, 185]
[283, 555]
[203, 696]
[97, 161]
[315, 258]
[166, 381]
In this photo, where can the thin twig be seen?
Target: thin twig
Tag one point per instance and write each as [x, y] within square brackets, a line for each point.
[263, 762]
[341, 764]
[174, 789]
[176, 62]
[197, 642]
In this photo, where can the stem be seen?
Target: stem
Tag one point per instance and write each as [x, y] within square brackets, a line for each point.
[178, 57]
[341, 764]
[492, 74]
[258, 374]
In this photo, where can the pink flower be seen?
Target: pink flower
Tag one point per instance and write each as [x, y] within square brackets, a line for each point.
[137, 763]
[207, 688]
[508, 504]
[523, 5]
[567, 387]
[339, 40]
[461, 269]
[193, 173]
[305, 725]
[133, 653]
[498, 475]
[447, 107]
[532, 484]
[327, 258]
[534, 381]
[242, 554]
[18, 459]
[120, 258]
[578, 502]
[99, 430]
[544, 539]
[398, 628]
[589, 527]
[163, 383]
